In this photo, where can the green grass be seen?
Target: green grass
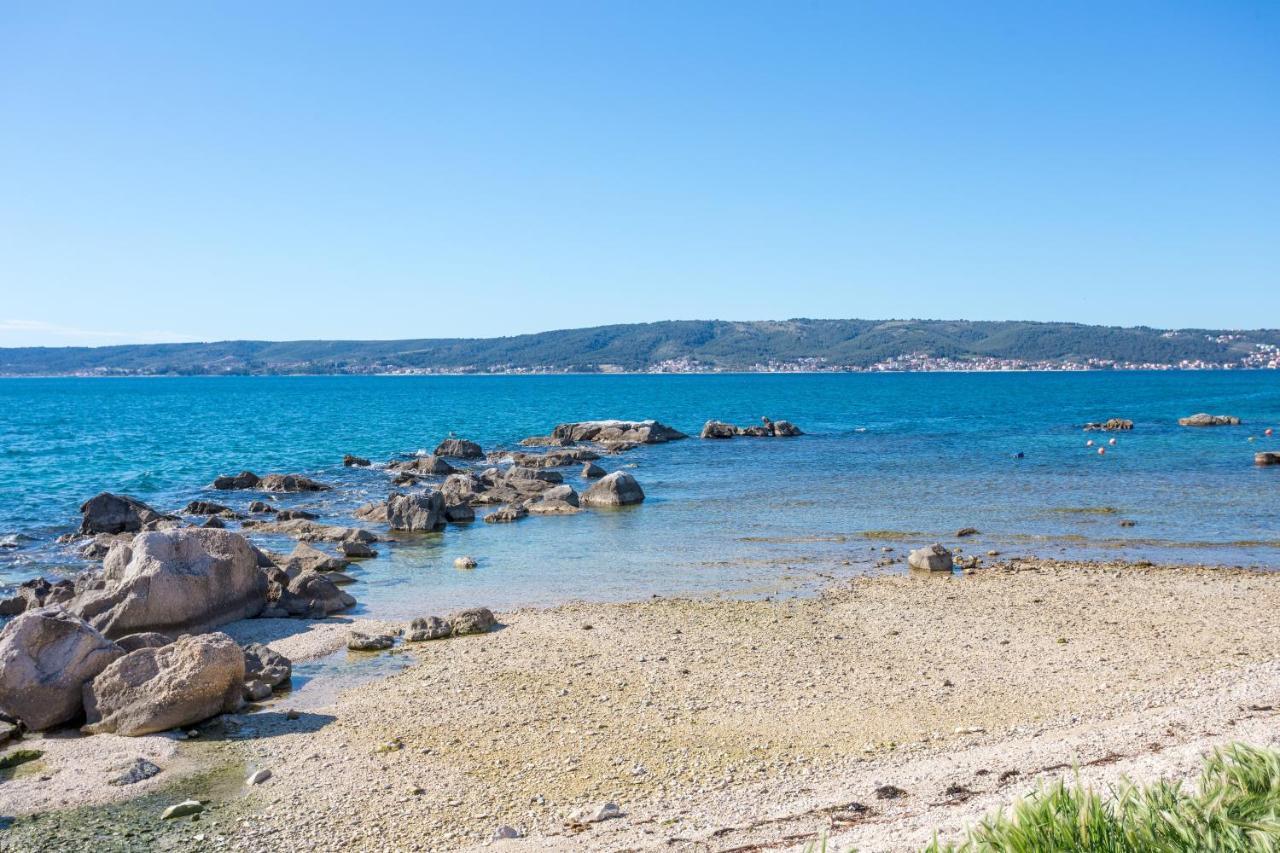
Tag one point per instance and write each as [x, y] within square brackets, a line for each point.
[1236, 807]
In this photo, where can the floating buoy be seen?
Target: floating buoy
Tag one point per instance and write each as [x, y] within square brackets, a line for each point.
[1101, 450]
[1089, 443]
[1268, 431]
[1112, 442]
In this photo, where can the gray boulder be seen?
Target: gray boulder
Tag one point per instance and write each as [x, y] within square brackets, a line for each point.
[416, 513]
[1266, 457]
[265, 664]
[459, 448]
[356, 550]
[307, 558]
[616, 489]
[430, 464]
[291, 483]
[150, 690]
[785, 429]
[359, 641]
[108, 513]
[934, 558]
[473, 620]
[718, 429]
[592, 471]
[508, 513]
[243, 480]
[616, 432]
[428, 628]
[355, 461]
[46, 656]
[312, 594]
[186, 580]
[1204, 419]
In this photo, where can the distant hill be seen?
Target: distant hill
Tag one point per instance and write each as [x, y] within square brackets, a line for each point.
[689, 346]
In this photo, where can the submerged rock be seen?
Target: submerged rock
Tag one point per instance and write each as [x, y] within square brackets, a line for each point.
[934, 558]
[355, 461]
[47, 655]
[184, 580]
[150, 690]
[616, 489]
[356, 550]
[361, 642]
[465, 562]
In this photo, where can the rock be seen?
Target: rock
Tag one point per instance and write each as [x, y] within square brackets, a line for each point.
[459, 448]
[339, 578]
[616, 489]
[355, 461]
[356, 550]
[508, 513]
[175, 581]
[596, 814]
[184, 809]
[359, 641]
[428, 628]
[968, 531]
[430, 464]
[136, 772]
[37, 592]
[718, 429]
[1203, 419]
[243, 480]
[461, 488]
[592, 471]
[291, 514]
[1128, 522]
[1266, 457]
[505, 832]
[553, 507]
[474, 620]
[785, 429]
[46, 656]
[519, 474]
[376, 512]
[143, 640]
[633, 432]
[150, 690]
[213, 522]
[559, 458]
[265, 664]
[311, 593]
[291, 483]
[262, 507]
[459, 513]
[256, 690]
[307, 558]
[465, 563]
[258, 777]
[108, 513]
[416, 513]
[311, 531]
[1112, 425]
[208, 508]
[8, 731]
[934, 558]
[97, 547]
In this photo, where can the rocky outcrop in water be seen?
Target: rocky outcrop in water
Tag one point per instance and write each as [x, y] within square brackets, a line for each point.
[430, 465]
[592, 471]
[209, 508]
[270, 483]
[175, 581]
[1111, 425]
[1203, 419]
[307, 558]
[1266, 457]
[243, 480]
[150, 690]
[459, 448]
[616, 489]
[350, 461]
[611, 432]
[108, 513]
[46, 657]
[507, 514]
[767, 429]
[420, 513]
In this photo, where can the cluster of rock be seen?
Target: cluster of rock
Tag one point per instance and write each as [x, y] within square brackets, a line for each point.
[614, 436]
[269, 483]
[767, 429]
[1203, 419]
[1267, 457]
[1110, 425]
[473, 620]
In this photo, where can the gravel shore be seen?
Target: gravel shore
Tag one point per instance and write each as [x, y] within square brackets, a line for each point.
[722, 725]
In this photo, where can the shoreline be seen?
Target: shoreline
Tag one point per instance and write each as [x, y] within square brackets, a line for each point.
[703, 717]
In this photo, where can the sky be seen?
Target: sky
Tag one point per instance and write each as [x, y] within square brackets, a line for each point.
[181, 171]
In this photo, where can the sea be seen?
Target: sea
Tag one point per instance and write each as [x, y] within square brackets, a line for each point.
[888, 462]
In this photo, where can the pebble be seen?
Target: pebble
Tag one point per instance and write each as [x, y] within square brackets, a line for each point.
[182, 809]
[258, 777]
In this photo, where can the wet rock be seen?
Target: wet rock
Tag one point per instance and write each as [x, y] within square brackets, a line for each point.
[718, 429]
[355, 461]
[1111, 425]
[518, 474]
[967, 531]
[785, 429]
[108, 513]
[474, 620]
[934, 558]
[175, 581]
[459, 513]
[592, 471]
[359, 641]
[143, 640]
[356, 550]
[375, 512]
[428, 628]
[97, 547]
[150, 690]
[291, 514]
[291, 483]
[616, 489]
[506, 514]
[47, 655]
[459, 448]
[262, 507]
[243, 480]
[1203, 419]
[1266, 457]
[313, 595]
[466, 562]
[140, 770]
[307, 558]
[208, 508]
[213, 522]
[265, 664]
[416, 513]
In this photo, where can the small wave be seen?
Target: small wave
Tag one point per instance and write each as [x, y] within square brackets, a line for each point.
[13, 540]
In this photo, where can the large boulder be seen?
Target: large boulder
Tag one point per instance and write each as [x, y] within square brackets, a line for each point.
[243, 480]
[1266, 457]
[46, 657]
[616, 489]
[934, 558]
[783, 429]
[1204, 419]
[186, 580]
[307, 558]
[473, 620]
[718, 429]
[291, 483]
[430, 464]
[459, 448]
[420, 513]
[108, 513]
[616, 432]
[312, 594]
[150, 690]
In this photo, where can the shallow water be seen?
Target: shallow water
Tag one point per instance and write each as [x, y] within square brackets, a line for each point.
[889, 461]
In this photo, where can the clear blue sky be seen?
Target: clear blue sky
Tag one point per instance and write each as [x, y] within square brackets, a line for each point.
[317, 170]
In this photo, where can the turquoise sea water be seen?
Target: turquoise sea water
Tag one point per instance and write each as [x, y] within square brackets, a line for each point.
[917, 455]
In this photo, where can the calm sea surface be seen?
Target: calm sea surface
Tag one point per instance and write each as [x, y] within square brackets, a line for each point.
[889, 461]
